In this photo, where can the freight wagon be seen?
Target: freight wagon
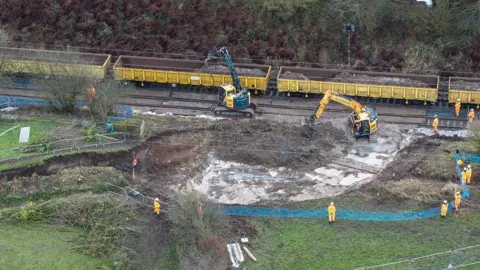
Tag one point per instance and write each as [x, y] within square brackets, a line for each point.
[187, 72]
[358, 83]
[465, 89]
[43, 62]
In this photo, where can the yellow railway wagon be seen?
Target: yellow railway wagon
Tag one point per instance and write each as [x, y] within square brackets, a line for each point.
[186, 72]
[58, 63]
[318, 80]
[465, 89]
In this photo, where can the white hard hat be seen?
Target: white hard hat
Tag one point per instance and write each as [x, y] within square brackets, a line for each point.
[458, 192]
[471, 109]
[331, 203]
[469, 166]
[445, 201]
[464, 168]
[156, 199]
[436, 116]
[458, 99]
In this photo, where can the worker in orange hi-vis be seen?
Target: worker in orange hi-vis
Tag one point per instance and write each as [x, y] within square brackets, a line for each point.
[471, 116]
[435, 123]
[331, 213]
[464, 175]
[458, 199]
[201, 208]
[458, 105]
[156, 206]
[469, 174]
[443, 211]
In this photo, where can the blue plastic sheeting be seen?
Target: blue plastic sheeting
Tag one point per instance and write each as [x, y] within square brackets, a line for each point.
[9, 101]
[252, 211]
[249, 211]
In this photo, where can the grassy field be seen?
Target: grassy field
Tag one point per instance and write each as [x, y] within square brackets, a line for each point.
[8, 140]
[316, 244]
[41, 247]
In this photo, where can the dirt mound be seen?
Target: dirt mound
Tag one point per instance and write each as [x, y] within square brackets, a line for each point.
[463, 85]
[362, 78]
[220, 69]
[275, 144]
[424, 158]
[294, 76]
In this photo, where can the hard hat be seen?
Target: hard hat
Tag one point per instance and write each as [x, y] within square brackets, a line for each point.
[471, 110]
[156, 199]
[459, 162]
[331, 203]
[464, 168]
[458, 192]
[445, 201]
[469, 166]
[458, 99]
[436, 116]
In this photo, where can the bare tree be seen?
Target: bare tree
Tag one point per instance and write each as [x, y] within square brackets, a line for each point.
[106, 96]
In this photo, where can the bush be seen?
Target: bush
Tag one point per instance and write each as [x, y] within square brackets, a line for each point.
[196, 234]
[29, 212]
[39, 144]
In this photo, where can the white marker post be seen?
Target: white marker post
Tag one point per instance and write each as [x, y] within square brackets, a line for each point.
[24, 135]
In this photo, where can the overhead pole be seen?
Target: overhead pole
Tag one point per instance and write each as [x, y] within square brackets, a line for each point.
[349, 28]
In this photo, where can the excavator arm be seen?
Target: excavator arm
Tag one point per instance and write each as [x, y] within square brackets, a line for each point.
[360, 111]
[329, 95]
[214, 54]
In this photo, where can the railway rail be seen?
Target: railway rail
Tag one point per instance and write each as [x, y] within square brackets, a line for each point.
[194, 103]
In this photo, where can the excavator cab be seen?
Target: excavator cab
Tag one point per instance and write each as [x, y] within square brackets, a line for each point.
[232, 98]
[363, 124]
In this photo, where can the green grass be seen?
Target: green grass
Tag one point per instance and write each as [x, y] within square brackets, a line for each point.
[38, 129]
[315, 244]
[41, 247]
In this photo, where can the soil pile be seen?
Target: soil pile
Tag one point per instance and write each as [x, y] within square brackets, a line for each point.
[275, 144]
[294, 76]
[220, 69]
[362, 78]
[463, 85]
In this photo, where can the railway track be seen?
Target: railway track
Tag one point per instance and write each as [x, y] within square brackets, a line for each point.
[203, 102]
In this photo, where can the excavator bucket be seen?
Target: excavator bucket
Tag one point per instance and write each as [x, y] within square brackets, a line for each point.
[307, 128]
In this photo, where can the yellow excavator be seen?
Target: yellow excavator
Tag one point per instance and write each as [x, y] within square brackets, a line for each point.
[362, 121]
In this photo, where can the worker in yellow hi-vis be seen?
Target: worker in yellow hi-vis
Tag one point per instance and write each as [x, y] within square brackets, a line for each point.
[331, 213]
[458, 199]
[443, 211]
[435, 123]
[469, 174]
[471, 116]
[464, 175]
[458, 105]
[156, 206]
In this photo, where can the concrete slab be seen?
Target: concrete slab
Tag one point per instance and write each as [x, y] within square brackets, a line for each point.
[352, 164]
[205, 97]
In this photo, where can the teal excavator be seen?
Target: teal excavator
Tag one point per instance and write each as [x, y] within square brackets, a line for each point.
[233, 99]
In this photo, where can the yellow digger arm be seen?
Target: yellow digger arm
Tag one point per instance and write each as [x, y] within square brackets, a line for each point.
[329, 95]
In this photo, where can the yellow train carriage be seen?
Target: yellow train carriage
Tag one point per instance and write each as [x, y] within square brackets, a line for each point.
[59, 63]
[465, 89]
[186, 72]
[316, 81]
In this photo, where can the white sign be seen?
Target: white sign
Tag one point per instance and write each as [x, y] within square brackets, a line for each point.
[24, 135]
[194, 78]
